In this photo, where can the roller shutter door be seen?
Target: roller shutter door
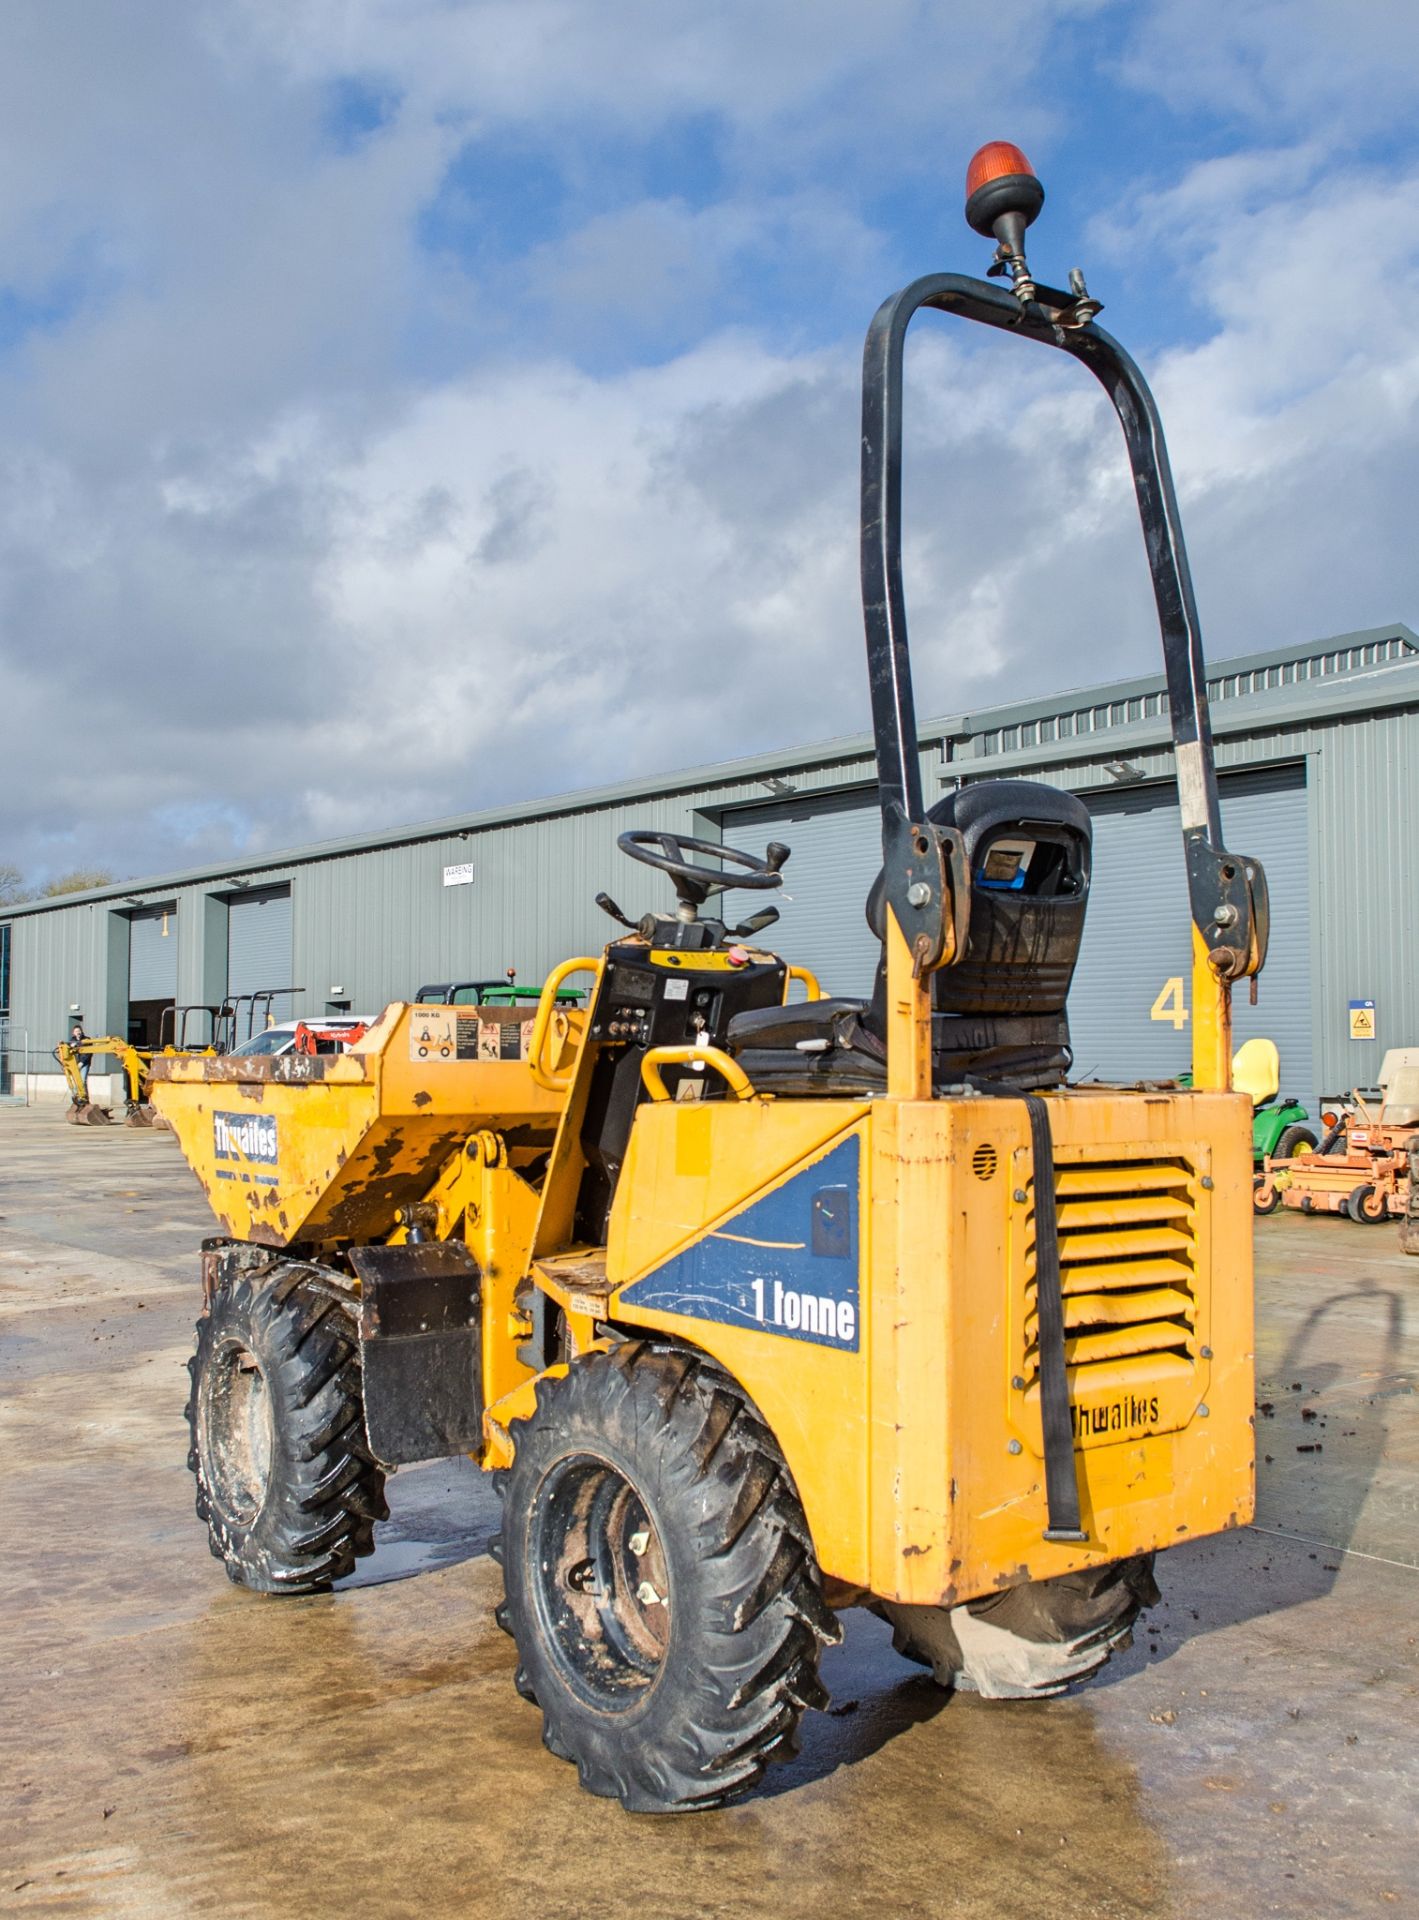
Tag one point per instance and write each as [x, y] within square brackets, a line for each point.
[837, 853]
[259, 943]
[1138, 934]
[152, 955]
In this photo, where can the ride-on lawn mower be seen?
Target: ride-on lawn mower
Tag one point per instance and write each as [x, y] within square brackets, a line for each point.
[763, 1308]
[1364, 1172]
[1279, 1128]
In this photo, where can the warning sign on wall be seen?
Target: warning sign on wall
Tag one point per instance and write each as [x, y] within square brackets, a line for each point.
[1362, 1019]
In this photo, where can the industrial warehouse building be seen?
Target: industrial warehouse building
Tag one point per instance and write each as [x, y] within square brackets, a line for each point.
[1318, 756]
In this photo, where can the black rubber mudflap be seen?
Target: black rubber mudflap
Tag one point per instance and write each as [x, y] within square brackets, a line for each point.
[421, 1350]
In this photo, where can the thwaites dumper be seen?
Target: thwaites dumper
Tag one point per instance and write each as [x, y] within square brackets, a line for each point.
[763, 1307]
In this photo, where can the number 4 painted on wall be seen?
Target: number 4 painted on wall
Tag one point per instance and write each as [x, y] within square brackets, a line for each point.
[1169, 1004]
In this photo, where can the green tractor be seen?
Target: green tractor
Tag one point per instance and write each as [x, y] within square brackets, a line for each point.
[1279, 1127]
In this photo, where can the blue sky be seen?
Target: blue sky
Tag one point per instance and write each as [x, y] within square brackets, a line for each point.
[420, 404]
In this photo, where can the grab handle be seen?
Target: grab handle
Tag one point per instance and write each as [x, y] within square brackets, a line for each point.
[546, 1005]
[740, 1084]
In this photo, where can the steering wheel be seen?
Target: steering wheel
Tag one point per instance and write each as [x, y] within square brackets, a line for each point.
[667, 852]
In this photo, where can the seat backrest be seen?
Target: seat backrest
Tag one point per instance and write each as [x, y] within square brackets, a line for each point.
[1028, 850]
[1401, 1106]
[1256, 1069]
[1395, 1061]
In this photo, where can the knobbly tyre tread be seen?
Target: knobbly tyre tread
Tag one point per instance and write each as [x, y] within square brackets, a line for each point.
[1297, 1138]
[1056, 1632]
[748, 1617]
[325, 1491]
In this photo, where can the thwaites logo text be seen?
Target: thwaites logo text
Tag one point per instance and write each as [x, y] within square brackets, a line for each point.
[246, 1146]
[1115, 1416]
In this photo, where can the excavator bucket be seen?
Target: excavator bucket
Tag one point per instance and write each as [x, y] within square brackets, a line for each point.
[84, 1113]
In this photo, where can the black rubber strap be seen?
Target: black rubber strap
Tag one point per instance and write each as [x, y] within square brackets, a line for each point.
[1061, 1480]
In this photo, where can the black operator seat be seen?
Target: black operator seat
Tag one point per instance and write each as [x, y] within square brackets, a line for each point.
[1000, 1012]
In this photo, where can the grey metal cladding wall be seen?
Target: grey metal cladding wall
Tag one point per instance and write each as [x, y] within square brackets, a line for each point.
[259, 943]
[55, 959]
[836, 842]
[381, 923]
[152, 954]
[1138, 933]
[1366, 852]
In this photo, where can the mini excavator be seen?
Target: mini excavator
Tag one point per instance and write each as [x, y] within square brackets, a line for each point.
[760, 1307]
[73, 1056]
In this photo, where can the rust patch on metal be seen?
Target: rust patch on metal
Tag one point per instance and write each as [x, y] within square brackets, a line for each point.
[1013, 1576]
[423, 1099]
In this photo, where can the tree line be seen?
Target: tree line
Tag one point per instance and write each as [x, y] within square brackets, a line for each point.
[14, 889]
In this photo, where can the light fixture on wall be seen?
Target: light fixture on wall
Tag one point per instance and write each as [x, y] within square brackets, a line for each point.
[1124, 772]
[165, 923]
[780, 787]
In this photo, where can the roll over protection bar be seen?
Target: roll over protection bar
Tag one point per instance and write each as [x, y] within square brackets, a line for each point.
[926, 888]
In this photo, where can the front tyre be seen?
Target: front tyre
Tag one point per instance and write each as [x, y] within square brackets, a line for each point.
[1366, 1207]
[1265, 1196]
[285, 1480]
[1032, 1640]
[1295, 1139]
[661, 1583]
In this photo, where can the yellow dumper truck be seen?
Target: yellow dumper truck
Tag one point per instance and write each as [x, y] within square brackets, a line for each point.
[762, 1307]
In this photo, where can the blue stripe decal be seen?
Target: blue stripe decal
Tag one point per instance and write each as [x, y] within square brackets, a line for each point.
[786, 1264]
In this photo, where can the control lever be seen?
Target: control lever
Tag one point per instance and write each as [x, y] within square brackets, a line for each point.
[775, 855]
[765, 917]
[608, 905]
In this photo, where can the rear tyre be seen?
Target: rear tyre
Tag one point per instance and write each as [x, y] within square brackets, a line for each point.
[1297, 1139]
[1029, 1641]
[661, 1583]
[1366, 1207]
[285, 1480]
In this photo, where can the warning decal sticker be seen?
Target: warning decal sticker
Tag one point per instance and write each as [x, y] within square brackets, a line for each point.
[433, 1034]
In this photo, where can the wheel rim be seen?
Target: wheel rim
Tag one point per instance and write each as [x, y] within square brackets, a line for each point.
[236, 1431]
[601, 1582]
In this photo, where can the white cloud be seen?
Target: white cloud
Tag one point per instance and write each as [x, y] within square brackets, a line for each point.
[266, 574]
[1326, 69]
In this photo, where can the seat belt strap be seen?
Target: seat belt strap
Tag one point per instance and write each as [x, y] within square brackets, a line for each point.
[1061, 1478]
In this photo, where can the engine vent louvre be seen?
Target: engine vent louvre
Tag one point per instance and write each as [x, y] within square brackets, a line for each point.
[1128, 1264]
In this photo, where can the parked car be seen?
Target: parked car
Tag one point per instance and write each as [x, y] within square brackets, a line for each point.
[282, 1037]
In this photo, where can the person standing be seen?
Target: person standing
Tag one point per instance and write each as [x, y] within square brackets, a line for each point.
[83, 1061]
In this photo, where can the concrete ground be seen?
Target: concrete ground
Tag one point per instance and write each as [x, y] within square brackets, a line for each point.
[172, 1746]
